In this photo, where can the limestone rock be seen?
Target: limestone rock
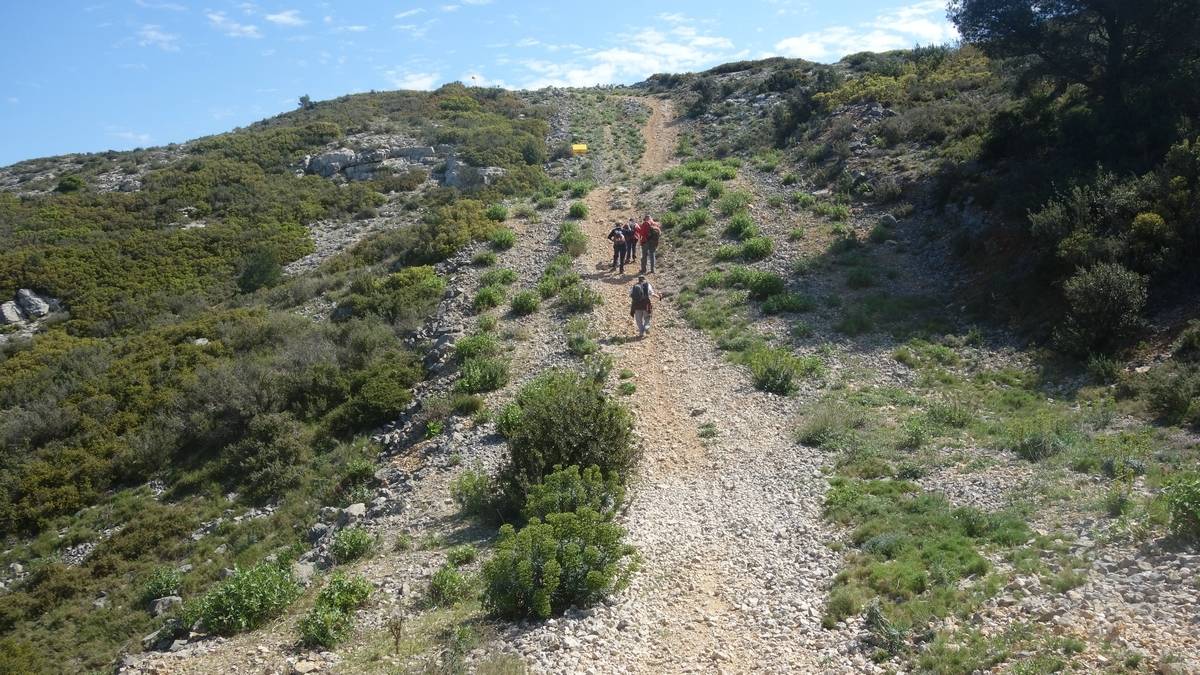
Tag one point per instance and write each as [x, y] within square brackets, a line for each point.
[10, 312]
[33, 304]
[163, 605]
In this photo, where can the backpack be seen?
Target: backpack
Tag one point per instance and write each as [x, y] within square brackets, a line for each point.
[639, 295]
[652, 236]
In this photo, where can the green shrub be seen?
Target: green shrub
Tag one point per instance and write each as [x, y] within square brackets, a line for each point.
[757, 248]
[735, 201]
[830, 425]
[572, 238]
[484, 259]
[626, 388]
[580, 188]
[475, 493]
[855, 321]
[1104, 305]
[565, 420]
[503, 239]
[259, 269]
[482, 374]
[1173, 393]
[324, 627]
[860, 277]
[546, 203]
[727, 253]
[70, 183]
[715, 189]
[487, 298]
[498, 277]
[1187, 345]
[683, 198]
[695, 219]
[741, 226]
[571, 559]
[581, 337]
[466, 404]
[462, 555]
[525, 303]
[350, 544]
[760, 284]
[496, 212]
[781, 303]
[344, 593]
[802, 199]
[161, 582]
[578, 210]
[776, 370]
[1038, 439]
[1182, 495]
[567, 490]
[476, 346]
[448, 587]
[579, 298]
[247, 599]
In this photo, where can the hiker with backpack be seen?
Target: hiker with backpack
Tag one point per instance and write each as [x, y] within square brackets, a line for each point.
[630, 232]
[650, 235]
[640, 306]
[617, 237]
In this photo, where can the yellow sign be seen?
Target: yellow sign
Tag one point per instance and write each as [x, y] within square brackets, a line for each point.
[579, 149]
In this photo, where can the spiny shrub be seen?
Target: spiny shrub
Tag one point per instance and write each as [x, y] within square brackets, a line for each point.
[579, 298]
[448, 586]
[578, 210]
[496, 212]
[163, 581]
[503, 239]
[498, 277]
[482, 374]
[572, 238]
[475, 493]
[475, 346]
[735, 201]
[571, 559]
[350, 544]
[487, 298]
[525, 303]
[760, 284]
[247, 599]
[565, 419]
[776, 370]
[696, 219]
[1182, 495]
[569, 489]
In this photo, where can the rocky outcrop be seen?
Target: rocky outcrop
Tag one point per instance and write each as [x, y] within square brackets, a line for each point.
[22, 316]
[459, 174]
[364, 164]
[10, 313]
[33, 305]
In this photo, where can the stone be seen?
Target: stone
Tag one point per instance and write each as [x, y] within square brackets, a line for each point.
[317, 531]
[10, 312]
[17, 569]
[33, 304]
[329, 163]
[352, 513]
[887, 220]
[177, 645]
[163, 605]
[303, 667]
[152, 639]
[303, 572]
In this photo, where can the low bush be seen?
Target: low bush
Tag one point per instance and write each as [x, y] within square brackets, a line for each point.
[567, 490]
[449, 587]
[482, 374]
[777, 370]
[830, 425]
[344, 593]
[503, 239]
[525, 303]
[564, 419]
[496, 212]
[498, 277]
[757, 248]
[350, 544]
[735, 201]
[487, 298]
[247, 599]
[860, 277]
[579, 298]
[572, 238]
[330, 620]
[1104, 306]
[161, 582]
[484, 259]
[476, 346]
[760, 284]
[1173, 392]
[1039, 438]
[792, 303]
[475, 493]
[462, 555]
[581, 337]
[578, 210]
[571, 559]
[696, 219]
[1182, 495]
[683, 198]
[741, 226]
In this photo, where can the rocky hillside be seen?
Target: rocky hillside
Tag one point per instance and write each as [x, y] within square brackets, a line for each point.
[358, 391]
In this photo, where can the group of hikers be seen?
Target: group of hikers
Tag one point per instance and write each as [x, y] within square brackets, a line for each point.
[625, 238]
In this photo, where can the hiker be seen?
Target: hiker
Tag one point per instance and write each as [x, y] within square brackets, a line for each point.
[651, 233]
[640, 306]
[617, 237]
[630, 232]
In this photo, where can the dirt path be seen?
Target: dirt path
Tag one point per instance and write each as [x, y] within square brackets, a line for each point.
[728, 527]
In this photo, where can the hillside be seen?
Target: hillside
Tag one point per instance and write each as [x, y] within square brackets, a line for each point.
[323, 394]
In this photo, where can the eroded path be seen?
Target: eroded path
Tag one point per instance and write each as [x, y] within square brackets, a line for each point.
[729, 527]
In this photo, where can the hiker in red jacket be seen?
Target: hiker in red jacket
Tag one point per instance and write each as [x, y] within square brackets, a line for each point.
[650, 234]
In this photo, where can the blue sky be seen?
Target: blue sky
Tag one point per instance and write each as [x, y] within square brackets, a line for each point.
[99, 74]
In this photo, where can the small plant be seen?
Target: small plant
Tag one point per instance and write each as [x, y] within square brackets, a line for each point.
[247, 599]
[503, 239]
[546, 203]
[474, 491]
[829, 425]
[525, 303]
[741, 226]
[793, 303]
[462, 555]
[683, 198]
[477, 345]
[350, 544]
[1038, 439]
[434, 428]
[625, 374]
[1182, 495]
[626, 388]
[482, 374]
[487, 323]
[579, 298]
[448, 587]
[757, 248]
[484, 259]
[860, 277]
[572, 238]
[733, 202]
[466, 404]
[776, 370]
[707, 430]
[496, 212]
[324, 627]
[581, 338]
[487, 298]
[578, 210]
[162, 582]
[498, 277]
[696, 219]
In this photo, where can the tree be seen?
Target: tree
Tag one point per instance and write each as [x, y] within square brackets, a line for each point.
[260, 268]
[306, 103]
[1121, 51]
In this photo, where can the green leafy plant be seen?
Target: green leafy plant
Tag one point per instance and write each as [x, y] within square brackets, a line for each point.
[487, 298]
[247, 599]
[503, 239]
[448, 586]
[482, 374]
[579, 298]
[350, 544]
[525, 303]
[462, 555]
[578, 210]
[1182, 495]
[498, 277]
[162, 582]
[496, 212]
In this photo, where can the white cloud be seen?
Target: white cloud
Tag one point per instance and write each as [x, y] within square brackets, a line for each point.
[232, 28]
[403, 79]
[289, 17]
[409, 12]
[351, 29]
[920, 23]
[477, 2]
[150, 4]
[151, 35]
[414, 30]
[131, 136]
[451, 8]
